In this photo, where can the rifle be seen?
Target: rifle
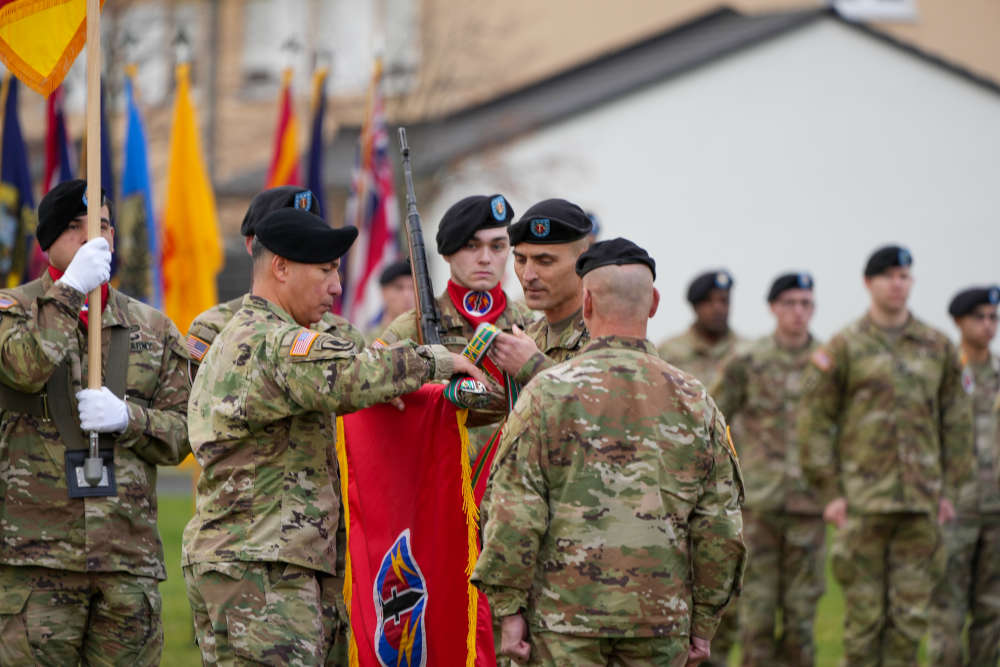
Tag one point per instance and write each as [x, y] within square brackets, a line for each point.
[429, 328]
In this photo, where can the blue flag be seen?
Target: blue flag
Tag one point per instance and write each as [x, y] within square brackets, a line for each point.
[314, 177]
[17, 201]
[138, 237]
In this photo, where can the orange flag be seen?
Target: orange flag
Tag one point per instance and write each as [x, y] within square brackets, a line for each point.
[284, 168]
[192, 251]
[40, 39]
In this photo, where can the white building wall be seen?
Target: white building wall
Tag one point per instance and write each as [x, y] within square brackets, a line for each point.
[805, 152]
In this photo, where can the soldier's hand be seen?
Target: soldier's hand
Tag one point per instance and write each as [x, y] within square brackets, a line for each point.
[836, 512]
[946, 512]
[90, 267]
[466, 367]
[397, 403]
[511, 351]
[514, 638]
[101, 411]
[700, 650]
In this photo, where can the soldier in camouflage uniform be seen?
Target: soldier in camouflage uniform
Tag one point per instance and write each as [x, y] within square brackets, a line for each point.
[701, 349]
[473, 239]
[260, 553]
[612, 527]
[885, 437]
[758, 391]
[207, 326]
[547, 241]
[971, 583]
[80, 565]
[398, 295]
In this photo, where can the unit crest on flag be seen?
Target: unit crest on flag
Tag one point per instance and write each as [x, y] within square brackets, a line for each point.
[400, 604]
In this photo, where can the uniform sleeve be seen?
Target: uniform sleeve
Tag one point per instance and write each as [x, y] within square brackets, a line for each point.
[327, 374]
[158, 433]
[957, 432]
[402, 328]
[516, 512]
[33, 341]
[718, 555]
[818, 419]
[532, 367]
[730, 389]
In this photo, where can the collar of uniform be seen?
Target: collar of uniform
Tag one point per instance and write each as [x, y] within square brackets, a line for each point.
[620, 343]
[702, 346]
[272, 309]
[574, 322]
[452, 320]
[114, 314]
[805, 347]
[912, 328]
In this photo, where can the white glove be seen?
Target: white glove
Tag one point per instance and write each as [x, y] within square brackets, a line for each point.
[91, 266]
[102, 411]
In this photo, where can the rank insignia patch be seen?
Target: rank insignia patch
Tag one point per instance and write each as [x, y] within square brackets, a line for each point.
[400, 592]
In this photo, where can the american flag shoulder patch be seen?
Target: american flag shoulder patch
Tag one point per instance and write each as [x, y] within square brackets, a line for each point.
[197, 348]
[303, 343]
[7, 302]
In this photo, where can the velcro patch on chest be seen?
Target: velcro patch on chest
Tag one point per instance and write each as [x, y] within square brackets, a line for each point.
[7, 302]
[303, 343]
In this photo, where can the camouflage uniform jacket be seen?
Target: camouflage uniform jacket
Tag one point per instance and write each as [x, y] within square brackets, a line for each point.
[758, 391]
[883, 420]
[983, 381]
[613, 507]
[207, 326]
[457, 332]
[556, 342]
[39, 523]
[260, 426]
[692, 353]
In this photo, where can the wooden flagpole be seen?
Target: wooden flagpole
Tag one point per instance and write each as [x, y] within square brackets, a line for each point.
[93, 467]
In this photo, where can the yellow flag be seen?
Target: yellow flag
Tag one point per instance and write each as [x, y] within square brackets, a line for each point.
[192, 251]
[40, 39]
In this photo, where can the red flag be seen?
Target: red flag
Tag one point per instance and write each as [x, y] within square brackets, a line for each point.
[284, 169]
[411, 536]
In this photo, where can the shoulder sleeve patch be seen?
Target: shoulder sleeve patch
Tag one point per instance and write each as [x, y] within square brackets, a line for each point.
[379, 344]
[303, 343]
[7, 302]
[197, 348]
[821, 359]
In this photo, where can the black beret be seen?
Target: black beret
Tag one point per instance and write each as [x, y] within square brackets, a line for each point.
[395, 270]
[617, 252]
[887, 257]
[787, 281]
[300, 236]
[551, 221]
[467, 216]
[284, 196]
[966, 300]
[706, 282]
[66, 201]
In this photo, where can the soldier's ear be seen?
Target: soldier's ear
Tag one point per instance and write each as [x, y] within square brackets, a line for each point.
[279, 268]
[656, 303]
[588, 304]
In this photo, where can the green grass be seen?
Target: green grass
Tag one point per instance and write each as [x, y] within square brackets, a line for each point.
[179, 649]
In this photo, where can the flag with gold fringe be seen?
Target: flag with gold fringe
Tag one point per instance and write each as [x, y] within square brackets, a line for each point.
[192, 250]
[411, 536]
[40, 39]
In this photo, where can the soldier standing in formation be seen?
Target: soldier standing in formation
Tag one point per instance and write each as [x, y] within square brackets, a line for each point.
[547, 241]
[758, 390]
[971, 583]
[80, 565]
[260, 553]
[398, 295]
[473, 239]
[207, 325]
[885, 437]
[612, 527]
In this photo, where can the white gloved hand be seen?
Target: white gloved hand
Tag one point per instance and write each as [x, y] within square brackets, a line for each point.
[91, 266]
[102, 411]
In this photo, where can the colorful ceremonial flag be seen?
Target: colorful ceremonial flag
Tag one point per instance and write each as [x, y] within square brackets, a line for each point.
[137, 235]
[411, 536]
[17, 201]
[192, 251]
[40, 39]
[371, 207]
[314, 175]
[58, 163]
[284, 169]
